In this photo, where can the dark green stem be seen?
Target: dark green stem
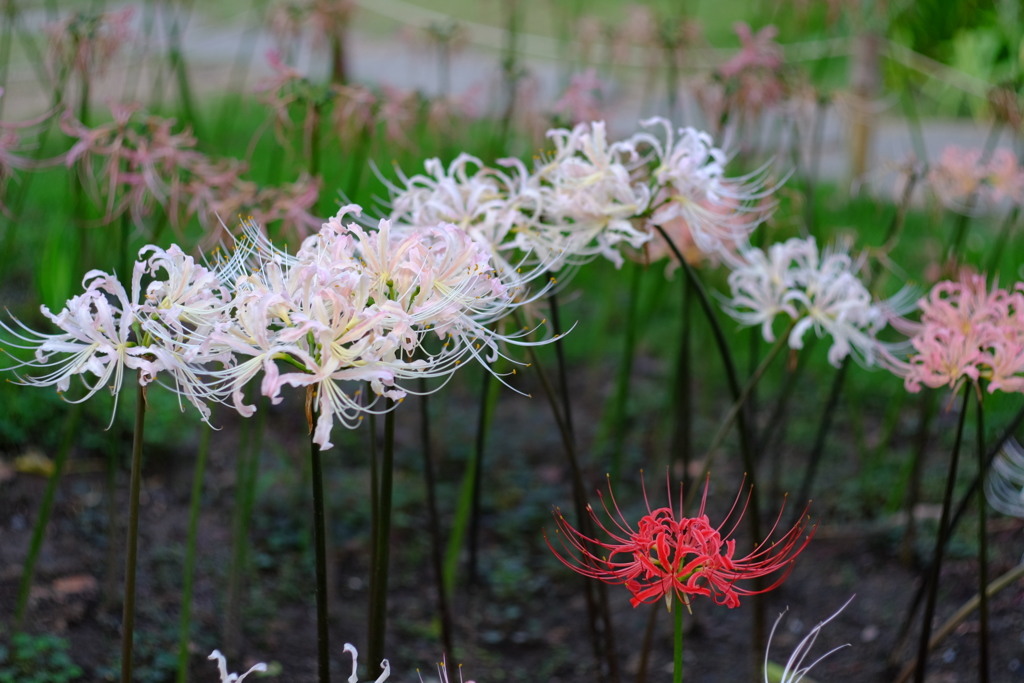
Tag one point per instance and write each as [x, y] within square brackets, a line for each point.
[775, 428]
[746, 452]
[621, 400]
[487, 398]
[682, 437]
[824, 427]
[940, 544]
[45, 509]
[983, 632]
[993, 451]
[926, 412]
[1004, 235]
[246, 473]
[185, 626]
[132, 542]
[563, 378]
[433, 522]
[323, 658]
[595, 592]
[735, 410]
[177, 64]
[379, 570]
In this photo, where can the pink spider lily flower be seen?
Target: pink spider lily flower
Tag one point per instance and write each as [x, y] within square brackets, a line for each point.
[963, 182]
[581, 100]
[96, 340]
[354, 112]
[397, 113]
[759, 51]
[292, 204]
[222, 667]
[967, 332]
[15, 141]
[689, 182]
[668, 555]
[87, 43]
[136, 163]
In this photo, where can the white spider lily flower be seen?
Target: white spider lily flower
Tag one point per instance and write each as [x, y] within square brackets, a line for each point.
[836, 304]
[818, 291]
[1004, 485]
[222, 667]
[795, 669]
[465, 194]
[690, 184]
[356, 305]
[760, 284]
[591, 200]
[491, 206]
[354, 678]
[97, 340]
[188, 296]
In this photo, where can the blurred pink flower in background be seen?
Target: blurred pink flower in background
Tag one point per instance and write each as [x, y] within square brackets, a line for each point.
[86, 42]
[758, 51]
[15, 141]
[963, 181]
[581, 102]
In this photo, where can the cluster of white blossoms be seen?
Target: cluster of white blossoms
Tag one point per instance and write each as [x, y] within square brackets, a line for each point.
[587, 197]
[663, 190]
[352, 306]
[816, 290]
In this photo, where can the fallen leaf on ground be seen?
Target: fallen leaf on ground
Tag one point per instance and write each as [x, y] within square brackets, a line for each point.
[34, 462]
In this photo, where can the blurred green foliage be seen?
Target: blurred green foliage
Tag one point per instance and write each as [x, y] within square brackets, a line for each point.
[37, 658]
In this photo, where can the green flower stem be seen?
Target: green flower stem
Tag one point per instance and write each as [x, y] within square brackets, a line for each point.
[382, 545]
[184, 627]
[488, 401]
[432, 521]
[775, 428]
[926, 412]
[983, 632]
[45, 509]
[993, 450]
[1008, 579]
[682, 436]
[595, 592]
[821, 438]
[956, 239]
[940, 544]
[735, 409]
[999, 248]
[132, 542]
[563, 378]
[319, 539]
[621, 399]
[176, 60]
[677, 641]
[246, 473]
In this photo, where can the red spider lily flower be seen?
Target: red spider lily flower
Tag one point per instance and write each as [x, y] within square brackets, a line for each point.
[671, 555]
